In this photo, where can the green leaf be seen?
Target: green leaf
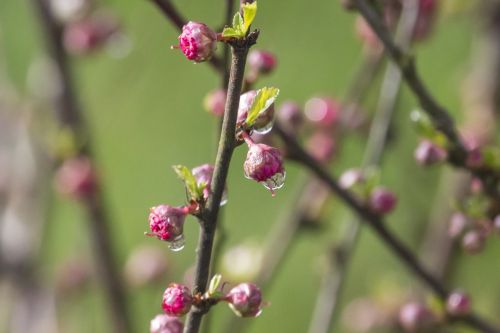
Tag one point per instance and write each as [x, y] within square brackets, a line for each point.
[249, 12]
[194, 191]
[214, 284]
[425, 128]
[238, 22]
[231, 32]
[264, 99]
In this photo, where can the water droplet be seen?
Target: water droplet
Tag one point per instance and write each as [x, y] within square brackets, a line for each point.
[265, 129]
[275, 182]
[258, 313]
[177, 244]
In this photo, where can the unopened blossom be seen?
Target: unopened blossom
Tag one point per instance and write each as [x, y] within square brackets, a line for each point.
[290, 115]
[264, 164]
[427, 153]
[261, 62]
[264, 122]
[163, 323]
[321, 146]
[458, 303]
[416, 317]
[473, 242]
[215, 102]
[425, 21]
[350, 178]
[322, 111]
[245, 300]
[177, 300]
[88, 34]
[76, 177]
[197, 41]
[167, 222]
[457, 224]
[203, 175]
[382, 201]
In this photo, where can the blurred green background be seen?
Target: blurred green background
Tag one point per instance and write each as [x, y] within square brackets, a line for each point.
[145, 112]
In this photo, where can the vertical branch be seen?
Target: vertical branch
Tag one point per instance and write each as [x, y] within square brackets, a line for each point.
[209, 215]
[69, 115]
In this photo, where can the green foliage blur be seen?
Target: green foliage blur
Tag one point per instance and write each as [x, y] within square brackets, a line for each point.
[146, 114]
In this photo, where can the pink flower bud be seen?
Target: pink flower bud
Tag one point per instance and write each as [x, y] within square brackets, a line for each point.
[145, 265]
[474, 158]
[197, 41]
[245, 300]
[73, 277]
[427, 153]
[215, 102]
[177, 300]
[261, 62]
[473, 242]
[457, 224]
[85, 36]
[458, 303]
[167, 222]
[322, 111]
[382, 201]
[265, 165]
[203, 175]
[264, 122]
[350, 178]
[425, 20]
[321, 146]
[415, 317]
[163, 323]
[290, 115]
[76, 177]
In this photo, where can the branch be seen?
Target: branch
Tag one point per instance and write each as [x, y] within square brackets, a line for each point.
[69, 115]
[208, 220]
[439, 115]
[173, 15]
[377, 224]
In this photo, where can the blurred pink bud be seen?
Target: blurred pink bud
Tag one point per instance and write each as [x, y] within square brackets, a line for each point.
[382, 201]
[474, 158]
[290, 115]
[264, 164]
[425, 20]
[203, 175]
[473, 242]
[73, 277]
[145, 265]
[245, 300]
[322, 111]
[458, 303]
[476, 185]
[167, 222]
[163, 323]
[261, 62]
[76, 177]
[215, 102]
[457, 224]
[321, 146]
[496, 223]
[427, 153]
[177, 300]
[415, 317]
[197, 41]
[350, 178]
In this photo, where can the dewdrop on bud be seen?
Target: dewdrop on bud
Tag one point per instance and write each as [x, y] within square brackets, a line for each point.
[203, 175]
[473, 242]
[166, 223]
[458, 303]
[322, 111]
[351, 178]
[245, 300]
[290, 115]
[415, 317]
[321, 146]
[197, 41]
[264, 122]
[76, 177]
[261, 62]
[163, 323]
[382, 201]
[264, 164]
[427, 153]
[215, 102]
[177, 300]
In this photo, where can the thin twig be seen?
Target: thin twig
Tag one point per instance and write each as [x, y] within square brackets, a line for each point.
[457, 153]
[173, 15]
[377, 224]
[69, 115]
[208, 219]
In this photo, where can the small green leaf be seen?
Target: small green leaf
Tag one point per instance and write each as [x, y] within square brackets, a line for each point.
[194, 191]
[238, 22]
[249, 12]
[264, 99]
[231, 32]
[214, 284]
[425, 128]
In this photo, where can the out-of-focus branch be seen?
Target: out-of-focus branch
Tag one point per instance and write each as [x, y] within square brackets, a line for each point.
[69, 115]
